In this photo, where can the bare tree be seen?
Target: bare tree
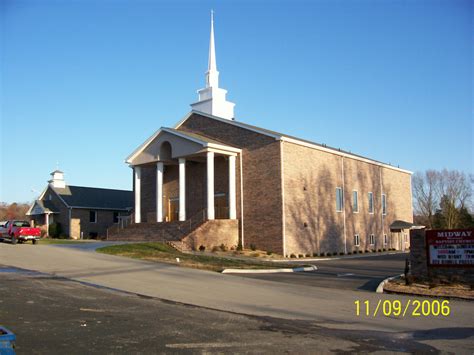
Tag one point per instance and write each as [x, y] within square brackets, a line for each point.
[455, 191]
[426, 195]
[442, 193]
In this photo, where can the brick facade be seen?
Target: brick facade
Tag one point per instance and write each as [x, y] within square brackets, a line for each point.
[75, 222]
[262, 225]
[288, 204]
[312, 224]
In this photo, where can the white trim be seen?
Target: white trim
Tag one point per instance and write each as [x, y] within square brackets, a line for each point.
[232, 189]
[344, 204]
[183, 135]
[159, 191]
[241, 200]
[210, 185]
[382, 193]
[282, 181]
[182, 189]
[137, 177]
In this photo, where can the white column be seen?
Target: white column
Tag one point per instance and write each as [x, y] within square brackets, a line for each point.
[210, 185]
[159, 191]
[47, 224]
[232, 199]
[138, 178]
[182, 189]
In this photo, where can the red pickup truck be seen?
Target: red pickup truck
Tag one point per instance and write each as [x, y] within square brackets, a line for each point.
[19, 231]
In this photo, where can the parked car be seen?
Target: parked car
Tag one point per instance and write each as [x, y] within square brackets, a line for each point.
[19, 231]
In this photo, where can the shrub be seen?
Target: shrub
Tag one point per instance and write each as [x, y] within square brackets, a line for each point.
[341, 253]
[223, 247]
[373, 250]
[202, 248]
[293, 256]
[308, 255]
[232, 248]
[321, 254]
[384, 249]
[300, 256]
[328, 254]
[380, 250]
[349, 253]
[214, 249]
[239, 247]
[253, 247]
[269, 252]
[315, 254]
[54, 230]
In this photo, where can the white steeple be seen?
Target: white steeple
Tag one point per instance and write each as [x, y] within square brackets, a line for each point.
[58, 179]
[212, 99]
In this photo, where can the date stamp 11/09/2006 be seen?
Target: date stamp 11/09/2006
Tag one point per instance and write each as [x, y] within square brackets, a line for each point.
[397, 308]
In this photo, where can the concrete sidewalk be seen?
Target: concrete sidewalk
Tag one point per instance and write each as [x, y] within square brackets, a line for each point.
[327, 307]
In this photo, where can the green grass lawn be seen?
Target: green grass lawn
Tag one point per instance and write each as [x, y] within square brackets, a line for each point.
[161, 252]
[45, 241]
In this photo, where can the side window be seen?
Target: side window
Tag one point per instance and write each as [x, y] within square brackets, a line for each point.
[356, 240]
[355, 201]
[371, 202]
[339, 199]
[372, 239]
[384, 204]
[93, 216]
[116, 215]
[385, 239]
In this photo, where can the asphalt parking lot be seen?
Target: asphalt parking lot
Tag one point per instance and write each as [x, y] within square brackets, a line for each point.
[52, 315]
[362, 273]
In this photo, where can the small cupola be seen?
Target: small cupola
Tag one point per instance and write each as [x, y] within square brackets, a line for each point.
[57, 180]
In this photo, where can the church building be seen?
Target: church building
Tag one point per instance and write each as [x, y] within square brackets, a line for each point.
[222, 181]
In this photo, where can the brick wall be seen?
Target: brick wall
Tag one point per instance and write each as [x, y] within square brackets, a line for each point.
[80, 222]
[262, 224]
[312, 224]
[214, 233]
[62, 217]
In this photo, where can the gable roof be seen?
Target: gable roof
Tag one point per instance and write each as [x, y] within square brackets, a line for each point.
[96, 198]
[291, 139]
[191, 136]
[41, 207]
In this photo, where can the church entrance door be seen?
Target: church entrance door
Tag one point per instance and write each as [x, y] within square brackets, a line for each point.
[173, 209]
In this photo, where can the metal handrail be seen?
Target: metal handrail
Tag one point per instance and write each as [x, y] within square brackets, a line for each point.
[193, 222]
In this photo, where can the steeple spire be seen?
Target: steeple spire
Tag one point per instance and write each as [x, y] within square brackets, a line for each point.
[212, 75]
[212, 99]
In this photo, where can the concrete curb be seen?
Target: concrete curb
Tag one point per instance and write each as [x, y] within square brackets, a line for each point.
[382, 284]
[269, 271]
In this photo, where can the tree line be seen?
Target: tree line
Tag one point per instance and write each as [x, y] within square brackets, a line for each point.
[13, 210]
[443, 199]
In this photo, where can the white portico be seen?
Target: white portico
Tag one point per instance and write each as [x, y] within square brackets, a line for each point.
[170, 152]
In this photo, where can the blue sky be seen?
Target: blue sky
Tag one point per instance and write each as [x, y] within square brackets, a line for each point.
[84, 82]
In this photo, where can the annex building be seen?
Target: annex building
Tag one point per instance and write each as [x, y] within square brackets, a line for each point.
[79, 212]
[233, 183]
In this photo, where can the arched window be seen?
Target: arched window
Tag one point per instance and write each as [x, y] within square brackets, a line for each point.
[165, 151]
